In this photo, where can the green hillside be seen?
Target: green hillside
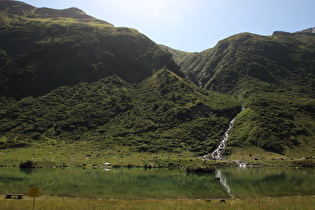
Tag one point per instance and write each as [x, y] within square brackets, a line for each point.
[164, 112]
[66, 77]
[42, 49]
[273, 77]
[284, 60]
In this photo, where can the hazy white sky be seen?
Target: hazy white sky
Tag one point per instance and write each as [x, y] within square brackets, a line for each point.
[196, 25]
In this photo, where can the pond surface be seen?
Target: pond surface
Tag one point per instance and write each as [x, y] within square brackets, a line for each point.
[160, 183]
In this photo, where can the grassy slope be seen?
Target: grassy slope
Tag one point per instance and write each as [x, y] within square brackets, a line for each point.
[56, 61]
[273, 77]
[42, 49]
[162, 113]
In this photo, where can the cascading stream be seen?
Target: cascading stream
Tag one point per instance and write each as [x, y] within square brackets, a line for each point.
[218, 153]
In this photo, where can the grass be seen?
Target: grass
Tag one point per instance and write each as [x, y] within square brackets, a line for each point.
[256, 155]
[55, 203]
[90, 155]
[250, 152]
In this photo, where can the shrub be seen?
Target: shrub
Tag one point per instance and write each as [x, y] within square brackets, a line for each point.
[200, 169]
[28, 164]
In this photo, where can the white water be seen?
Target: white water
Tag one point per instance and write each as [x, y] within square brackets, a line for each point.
[223, 181]
[240, 164]
[218, 153]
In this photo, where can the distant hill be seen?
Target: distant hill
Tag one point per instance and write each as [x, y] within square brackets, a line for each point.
[309, 30]
[20, 9]
[42, 49]
[283, 59]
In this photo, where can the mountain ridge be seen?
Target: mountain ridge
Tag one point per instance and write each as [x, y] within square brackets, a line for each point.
[47, 51]
[29, 11]
[204, 66]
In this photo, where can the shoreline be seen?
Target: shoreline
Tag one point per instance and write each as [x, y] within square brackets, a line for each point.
[88, 155]
[296, 163]
[175, 163]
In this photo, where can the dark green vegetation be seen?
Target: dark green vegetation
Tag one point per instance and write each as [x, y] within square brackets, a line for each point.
[274, 79]
[66, 77]
[200, 169]
[42, 49]
[164, 112]
[27, 164]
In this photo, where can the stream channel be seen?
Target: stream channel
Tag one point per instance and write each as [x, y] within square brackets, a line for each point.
[217, 154]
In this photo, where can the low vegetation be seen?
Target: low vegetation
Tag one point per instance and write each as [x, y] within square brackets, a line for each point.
[163, 113]
[28, 164]
[75, 203]
[200, 169]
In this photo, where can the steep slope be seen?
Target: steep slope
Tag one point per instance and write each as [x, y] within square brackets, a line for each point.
[273, 77]
[42, 49]
[164, 112]
[284, 59]
[66, 76]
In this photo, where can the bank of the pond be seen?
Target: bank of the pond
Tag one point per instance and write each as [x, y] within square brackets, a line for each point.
[53, 203]
[84, 154]
[167, 163]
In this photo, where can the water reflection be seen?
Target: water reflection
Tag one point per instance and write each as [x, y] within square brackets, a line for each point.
[257, 182]
[27, 170]
[116, 183]
[160, 183]
[223, 180]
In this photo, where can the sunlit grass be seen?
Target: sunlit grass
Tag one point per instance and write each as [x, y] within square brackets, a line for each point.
[55, 203]
[87, 154]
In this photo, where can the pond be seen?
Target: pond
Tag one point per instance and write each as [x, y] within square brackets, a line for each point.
[138, 183]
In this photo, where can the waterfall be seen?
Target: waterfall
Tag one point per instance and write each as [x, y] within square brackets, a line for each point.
[218, 153]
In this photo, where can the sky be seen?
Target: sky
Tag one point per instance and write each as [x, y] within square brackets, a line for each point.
[195, 25]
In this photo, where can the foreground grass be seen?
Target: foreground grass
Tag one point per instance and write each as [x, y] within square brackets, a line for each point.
[48, 203]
